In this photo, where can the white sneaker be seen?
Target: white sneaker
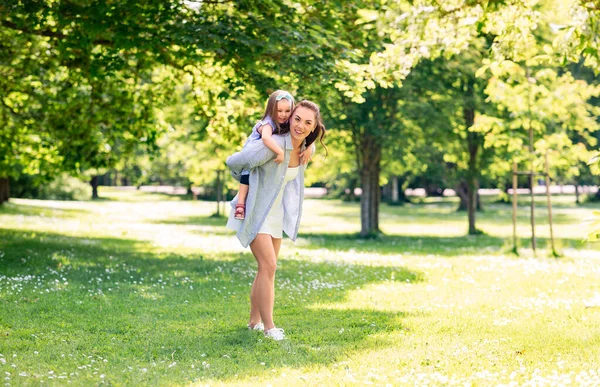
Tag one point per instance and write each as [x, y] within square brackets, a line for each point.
[275, 334]
[257, 327]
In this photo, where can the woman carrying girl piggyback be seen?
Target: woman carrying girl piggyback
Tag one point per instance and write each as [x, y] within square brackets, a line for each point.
[273, 204]
[279, 107]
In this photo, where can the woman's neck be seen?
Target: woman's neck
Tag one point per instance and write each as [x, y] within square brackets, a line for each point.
[297, 144]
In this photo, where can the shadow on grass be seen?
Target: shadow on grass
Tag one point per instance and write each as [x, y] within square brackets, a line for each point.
[136, 196]
[9, 208]
[437, 213]
[404, 244]
[429, 244]
[106, 297]
[399, 244]
[206, 220]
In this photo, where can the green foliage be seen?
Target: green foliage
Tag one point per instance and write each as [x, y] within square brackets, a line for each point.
[163, 91]
[65, 187]
[62, 187]
[82, 83]
[554, 106]
[594, 223]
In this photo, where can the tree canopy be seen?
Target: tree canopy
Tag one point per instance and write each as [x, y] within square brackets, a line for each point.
[167, 89]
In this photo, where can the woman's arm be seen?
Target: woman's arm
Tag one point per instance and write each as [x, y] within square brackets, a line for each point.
[253, 155]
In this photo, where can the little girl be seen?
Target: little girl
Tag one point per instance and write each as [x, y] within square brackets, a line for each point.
[279, 107]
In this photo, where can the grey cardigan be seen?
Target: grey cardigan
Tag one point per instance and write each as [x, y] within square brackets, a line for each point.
[266, 179]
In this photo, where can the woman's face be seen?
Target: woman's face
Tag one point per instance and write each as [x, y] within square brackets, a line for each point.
[302, 123]
[284, 108]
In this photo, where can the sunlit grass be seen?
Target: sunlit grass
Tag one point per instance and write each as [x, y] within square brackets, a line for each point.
[141, 291]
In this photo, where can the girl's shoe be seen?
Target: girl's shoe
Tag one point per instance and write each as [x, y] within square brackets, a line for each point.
[257, 327]
[275, 334]
[240, 212]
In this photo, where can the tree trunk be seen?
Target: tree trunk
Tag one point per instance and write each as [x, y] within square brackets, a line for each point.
[473, 143]
[398, 196]
[472, 182]
[576, 193]
[94, 183]
[370, 155]
[463, 195]
[4, 189]
[395, 196]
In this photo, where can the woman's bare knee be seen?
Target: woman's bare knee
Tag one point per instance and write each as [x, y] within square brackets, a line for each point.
[264, 252]
[267, 267]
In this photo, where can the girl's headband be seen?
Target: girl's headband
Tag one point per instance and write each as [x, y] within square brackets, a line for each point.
[286, 96]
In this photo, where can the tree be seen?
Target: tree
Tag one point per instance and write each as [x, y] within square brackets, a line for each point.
[424, 29]
[104, 53]
[452, 102]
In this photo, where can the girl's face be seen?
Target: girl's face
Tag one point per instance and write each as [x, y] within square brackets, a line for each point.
[302, 123]
[284, 109]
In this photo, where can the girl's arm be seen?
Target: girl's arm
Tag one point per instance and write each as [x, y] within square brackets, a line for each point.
[306, 155]
[266, 133]
[251, 156]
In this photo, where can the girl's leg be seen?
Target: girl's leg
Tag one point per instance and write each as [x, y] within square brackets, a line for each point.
[240, 207]
[263, 290]
[242, 193]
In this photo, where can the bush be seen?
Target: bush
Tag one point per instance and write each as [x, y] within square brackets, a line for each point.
[66, 187]
[63, 187]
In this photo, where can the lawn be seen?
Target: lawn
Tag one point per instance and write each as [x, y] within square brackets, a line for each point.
[146, 289]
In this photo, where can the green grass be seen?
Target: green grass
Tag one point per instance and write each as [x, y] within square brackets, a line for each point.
[138, 290]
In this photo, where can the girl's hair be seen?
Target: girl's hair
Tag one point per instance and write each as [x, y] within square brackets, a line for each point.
[271, 110]
[320, 130]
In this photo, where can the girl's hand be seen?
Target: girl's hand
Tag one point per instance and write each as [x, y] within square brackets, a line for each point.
[306, 156]
[279, 158]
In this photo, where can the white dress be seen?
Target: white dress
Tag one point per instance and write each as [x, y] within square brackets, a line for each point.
[273, 224]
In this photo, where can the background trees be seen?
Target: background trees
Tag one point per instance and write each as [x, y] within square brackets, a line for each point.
[423, 91]
[84, 81]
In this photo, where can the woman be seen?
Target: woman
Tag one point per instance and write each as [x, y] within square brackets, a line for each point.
[273, 205]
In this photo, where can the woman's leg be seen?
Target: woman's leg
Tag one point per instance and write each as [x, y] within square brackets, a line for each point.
[276, 246]
[254, 312]
[262, 294]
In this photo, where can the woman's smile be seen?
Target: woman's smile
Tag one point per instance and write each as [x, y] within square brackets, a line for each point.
[303, 122]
